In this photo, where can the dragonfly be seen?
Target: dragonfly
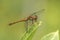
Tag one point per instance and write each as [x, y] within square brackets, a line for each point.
[33, 18]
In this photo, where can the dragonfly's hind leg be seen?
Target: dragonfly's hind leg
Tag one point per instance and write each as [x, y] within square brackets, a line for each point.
[26, 26]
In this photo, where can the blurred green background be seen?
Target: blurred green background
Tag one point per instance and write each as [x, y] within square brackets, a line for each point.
[13, 10]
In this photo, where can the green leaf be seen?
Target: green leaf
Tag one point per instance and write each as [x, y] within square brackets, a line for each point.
[51, 36]
[26, 36]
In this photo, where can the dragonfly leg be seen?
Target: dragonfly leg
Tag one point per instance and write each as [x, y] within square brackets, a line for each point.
[26, 23]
